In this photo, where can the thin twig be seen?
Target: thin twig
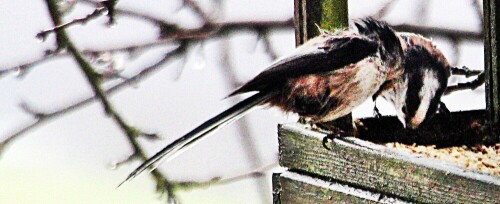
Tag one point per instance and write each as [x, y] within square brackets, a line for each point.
[456, 50]
[459, 34]
[212, 31]
[97, 12]
[24, 68]
[465, 71]
[94, 79]
[197, 9]
[264, 35]
[422, 11]
[110, 6]
[218, 181]
[479, 11]
[122, 12]
[471, 85]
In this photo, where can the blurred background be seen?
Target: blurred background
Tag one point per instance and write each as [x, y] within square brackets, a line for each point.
[57, 150]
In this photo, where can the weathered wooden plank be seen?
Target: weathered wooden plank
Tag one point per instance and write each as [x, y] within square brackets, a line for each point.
[276, 188]
[455, 129]
[298, 188]
[380, 169]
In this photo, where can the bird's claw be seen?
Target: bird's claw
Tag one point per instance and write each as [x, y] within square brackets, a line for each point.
[334, 132]
[325, 141]
[376, 112]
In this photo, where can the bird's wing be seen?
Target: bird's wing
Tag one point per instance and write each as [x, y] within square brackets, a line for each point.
[321, 54]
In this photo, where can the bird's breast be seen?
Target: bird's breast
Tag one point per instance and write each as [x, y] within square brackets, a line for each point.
[330, 95]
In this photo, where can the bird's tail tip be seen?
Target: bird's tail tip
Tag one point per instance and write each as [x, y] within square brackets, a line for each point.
[129, 177]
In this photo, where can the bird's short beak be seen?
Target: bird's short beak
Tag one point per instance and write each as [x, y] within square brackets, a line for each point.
[411, 125]
[414, 123]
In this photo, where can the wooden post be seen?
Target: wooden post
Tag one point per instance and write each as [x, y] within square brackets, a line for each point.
[492, 62]
[328, 14]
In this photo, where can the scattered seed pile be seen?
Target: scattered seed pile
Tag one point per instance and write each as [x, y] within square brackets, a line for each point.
[479, 158]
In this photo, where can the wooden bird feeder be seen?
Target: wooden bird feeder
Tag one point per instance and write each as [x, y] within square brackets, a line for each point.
[359, 169]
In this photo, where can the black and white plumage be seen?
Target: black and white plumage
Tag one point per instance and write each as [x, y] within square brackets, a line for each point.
[416, 95]
[324, 79]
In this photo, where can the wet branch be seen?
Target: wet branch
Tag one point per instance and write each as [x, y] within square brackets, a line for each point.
[471, 85]
[97, 12]
[168, 34]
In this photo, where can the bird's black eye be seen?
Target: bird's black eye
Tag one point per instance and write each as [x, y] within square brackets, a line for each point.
[404, 110]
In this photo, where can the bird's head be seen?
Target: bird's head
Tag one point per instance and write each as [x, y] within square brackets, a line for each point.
[424, 82]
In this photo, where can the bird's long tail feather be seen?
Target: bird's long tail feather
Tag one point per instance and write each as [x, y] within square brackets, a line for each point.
[200, 132]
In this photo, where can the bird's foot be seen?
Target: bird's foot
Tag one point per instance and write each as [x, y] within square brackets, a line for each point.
[330, 138]
[307, 123]
[376, 112]
[332, 133]
[303, 120]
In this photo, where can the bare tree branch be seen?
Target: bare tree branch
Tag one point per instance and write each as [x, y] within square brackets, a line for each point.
[465, 71]
[479, 11]
[471, 85]
[264, 35]
[22, 69]
[459, 34]
[97, 12]
[218, 181]
[384, 10]
[456, 50]
[213, 30]
[422, 11]
[30, 110]
[110, 6]
[197, 9]
[103, 6]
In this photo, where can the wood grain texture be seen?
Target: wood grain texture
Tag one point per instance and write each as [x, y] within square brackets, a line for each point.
[298, 188]
[379, 169]
[492, 61]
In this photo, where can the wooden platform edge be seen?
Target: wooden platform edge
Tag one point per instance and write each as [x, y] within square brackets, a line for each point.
[377, 168]
[298, 188]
